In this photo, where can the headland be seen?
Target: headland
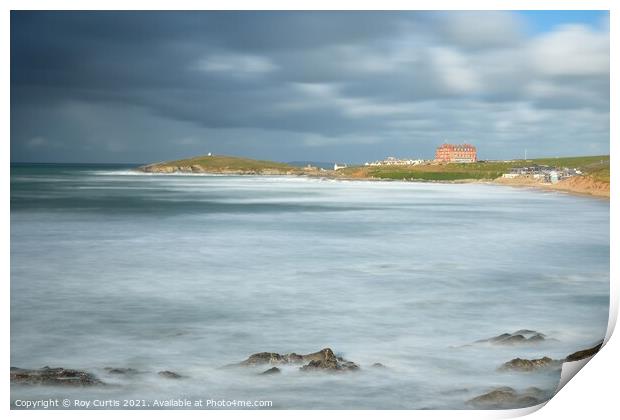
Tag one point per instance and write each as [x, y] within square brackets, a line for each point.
[589, 175]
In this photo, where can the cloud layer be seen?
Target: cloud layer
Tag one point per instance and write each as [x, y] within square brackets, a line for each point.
[347, 86]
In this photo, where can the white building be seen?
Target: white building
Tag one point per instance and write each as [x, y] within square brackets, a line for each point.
[394, 161]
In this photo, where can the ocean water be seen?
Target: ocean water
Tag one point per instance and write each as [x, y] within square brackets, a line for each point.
[112, 268]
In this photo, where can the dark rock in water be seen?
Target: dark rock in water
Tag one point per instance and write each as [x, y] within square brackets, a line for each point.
[526, 332]
[513, 339]
[329, 365]
[517, 337]
[264, 358]
[272, 359]
[320, 365]
[500, 337]
[525, 365]
[582, 354]
[321, 356]
[537, 337]
[53, 376]
[169, 374]
[122, 371]
[271, 371]
[324, 359]
[378, 366]
[506, 397]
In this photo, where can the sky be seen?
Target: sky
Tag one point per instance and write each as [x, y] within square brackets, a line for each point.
[137, 87]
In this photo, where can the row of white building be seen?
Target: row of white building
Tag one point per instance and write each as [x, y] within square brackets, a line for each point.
[395, 161]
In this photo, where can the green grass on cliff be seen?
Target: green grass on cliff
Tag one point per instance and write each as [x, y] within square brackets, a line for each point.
[228, 163]
[595, 166]
[599, 172]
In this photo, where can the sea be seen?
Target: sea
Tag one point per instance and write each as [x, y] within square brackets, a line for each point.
[114, 268]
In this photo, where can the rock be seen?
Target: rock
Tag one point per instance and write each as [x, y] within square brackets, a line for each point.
[517, 337]
[53, 376]
[513, 339]
[169, 374]
[319, 365]
[324, 359]
[525, 365]
[122, 371]
[327, 360]
[525, 332]
[378, 366]
[264, 358]
[274, 359]
[500, 337]
[271, 371]
[506, 397]
[537, 337]
[321, 356]
[582, 354]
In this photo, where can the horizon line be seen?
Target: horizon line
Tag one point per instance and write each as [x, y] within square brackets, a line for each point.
[290, 161]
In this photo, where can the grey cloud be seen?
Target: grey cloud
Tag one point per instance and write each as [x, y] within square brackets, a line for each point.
[480, 29]
[140, 86]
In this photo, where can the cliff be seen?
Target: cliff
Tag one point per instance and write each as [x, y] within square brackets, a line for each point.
[222, 165]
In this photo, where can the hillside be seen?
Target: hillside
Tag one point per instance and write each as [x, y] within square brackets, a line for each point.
[222, 165]
[597, 166]
[594, 181]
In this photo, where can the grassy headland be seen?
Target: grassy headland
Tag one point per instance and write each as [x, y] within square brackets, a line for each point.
[594, 181]
[222, 165]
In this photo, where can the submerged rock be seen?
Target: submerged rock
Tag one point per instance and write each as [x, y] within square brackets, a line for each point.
[582, 354]
[378, 366]
[517, 337]
[272, 359]
[122, 371]
[525, 365]
[271, 371]
[53, 376]
[169, 374]
[506, 397]
[324, 359]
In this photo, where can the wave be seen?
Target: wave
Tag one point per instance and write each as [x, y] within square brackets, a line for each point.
[131, 172]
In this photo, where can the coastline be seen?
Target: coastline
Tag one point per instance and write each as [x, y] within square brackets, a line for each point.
[582, 186]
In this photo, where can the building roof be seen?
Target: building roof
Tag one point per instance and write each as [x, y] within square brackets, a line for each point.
[464, 145]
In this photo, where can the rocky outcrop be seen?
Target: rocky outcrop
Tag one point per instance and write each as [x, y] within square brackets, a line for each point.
[271, 371]
[326, 360]
[264, 358]
[169, 374]
[506, 397]
[53, 376]
[122, 371]
[158, 168]
[322, 360]
[582, 354]
[525, 365]
[517, 337]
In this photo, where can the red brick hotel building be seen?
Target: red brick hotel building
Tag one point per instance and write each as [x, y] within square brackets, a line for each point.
[463, 153]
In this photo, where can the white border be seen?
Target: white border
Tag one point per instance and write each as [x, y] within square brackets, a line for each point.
[593, 393]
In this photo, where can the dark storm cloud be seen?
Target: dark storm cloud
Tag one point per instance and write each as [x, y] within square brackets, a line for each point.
[140, 86]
